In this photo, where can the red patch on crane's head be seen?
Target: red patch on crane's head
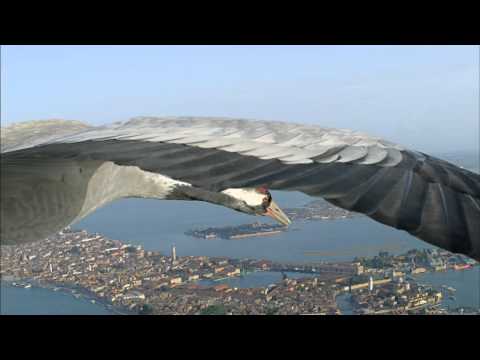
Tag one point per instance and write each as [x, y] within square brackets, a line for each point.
[262, 190]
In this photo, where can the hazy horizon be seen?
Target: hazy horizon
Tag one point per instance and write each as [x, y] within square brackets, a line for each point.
[423, 97]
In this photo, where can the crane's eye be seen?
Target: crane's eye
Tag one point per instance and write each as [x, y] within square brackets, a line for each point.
[267, 200]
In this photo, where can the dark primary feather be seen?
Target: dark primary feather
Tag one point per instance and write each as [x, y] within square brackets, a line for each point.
[431, 199]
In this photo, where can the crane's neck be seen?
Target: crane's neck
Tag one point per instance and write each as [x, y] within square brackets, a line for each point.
[110, 182]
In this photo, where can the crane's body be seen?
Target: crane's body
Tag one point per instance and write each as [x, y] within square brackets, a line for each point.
[57, 196]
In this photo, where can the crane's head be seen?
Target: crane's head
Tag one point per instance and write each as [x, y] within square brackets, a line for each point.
[251, 201]
[257, 201]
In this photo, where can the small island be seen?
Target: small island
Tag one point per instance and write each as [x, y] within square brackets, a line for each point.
[319, 209]
[316, 210]
[237, 232]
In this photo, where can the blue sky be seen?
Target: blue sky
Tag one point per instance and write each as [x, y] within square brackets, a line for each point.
[425, 97]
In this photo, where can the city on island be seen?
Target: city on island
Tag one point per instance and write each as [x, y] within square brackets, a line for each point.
[128, 279]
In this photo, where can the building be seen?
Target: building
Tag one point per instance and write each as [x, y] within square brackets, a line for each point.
[221, 287]
[218, 269]
[233, 272]
[419, 270]
[358, 268]
[176, 280]
[174, 253]
[134, 295]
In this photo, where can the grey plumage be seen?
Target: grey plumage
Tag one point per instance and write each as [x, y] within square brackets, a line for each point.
[430, 198]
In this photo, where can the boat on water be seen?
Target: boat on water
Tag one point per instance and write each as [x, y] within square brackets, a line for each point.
[462, 266]
[449, 288]
[22, 285]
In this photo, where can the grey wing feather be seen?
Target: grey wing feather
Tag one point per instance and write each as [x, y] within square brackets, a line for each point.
[32, 133]
[430, 198]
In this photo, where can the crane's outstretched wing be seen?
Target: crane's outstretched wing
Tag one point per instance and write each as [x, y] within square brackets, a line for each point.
[31, 133]
[432, 199]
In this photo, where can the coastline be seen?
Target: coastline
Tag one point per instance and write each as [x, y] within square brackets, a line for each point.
[86, 295]
[124, 279]
[82, 293]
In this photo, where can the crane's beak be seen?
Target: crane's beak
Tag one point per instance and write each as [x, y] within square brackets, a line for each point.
[277, 214]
